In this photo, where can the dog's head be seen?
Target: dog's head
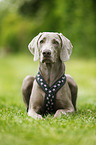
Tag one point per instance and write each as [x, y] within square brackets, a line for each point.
[49, 46]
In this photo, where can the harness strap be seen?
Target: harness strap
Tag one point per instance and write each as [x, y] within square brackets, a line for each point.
[50, 92]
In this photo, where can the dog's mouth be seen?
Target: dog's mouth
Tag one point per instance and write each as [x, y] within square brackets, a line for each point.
[47, 59]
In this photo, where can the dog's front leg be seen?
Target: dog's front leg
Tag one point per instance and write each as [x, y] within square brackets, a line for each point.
[33, 114]
[63, 111]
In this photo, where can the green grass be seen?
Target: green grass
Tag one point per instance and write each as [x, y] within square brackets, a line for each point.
[16, 128]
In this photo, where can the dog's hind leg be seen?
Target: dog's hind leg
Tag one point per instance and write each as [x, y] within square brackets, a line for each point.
[74, 89]
[26, 89]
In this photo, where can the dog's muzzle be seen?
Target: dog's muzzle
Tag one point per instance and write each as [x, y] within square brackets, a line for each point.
[46, 56]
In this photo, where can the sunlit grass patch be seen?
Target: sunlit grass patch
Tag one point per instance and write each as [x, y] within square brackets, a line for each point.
[19, 129]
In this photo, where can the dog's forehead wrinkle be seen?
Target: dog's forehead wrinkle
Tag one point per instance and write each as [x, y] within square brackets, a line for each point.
[50, 36]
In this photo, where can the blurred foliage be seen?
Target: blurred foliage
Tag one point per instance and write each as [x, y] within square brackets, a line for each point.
[21, 20]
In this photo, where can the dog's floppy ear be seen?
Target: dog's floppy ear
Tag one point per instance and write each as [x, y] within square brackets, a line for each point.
[66, 48]
[33, 47]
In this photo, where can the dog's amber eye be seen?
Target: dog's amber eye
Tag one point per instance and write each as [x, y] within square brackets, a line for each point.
[42, 41]
[55, 41]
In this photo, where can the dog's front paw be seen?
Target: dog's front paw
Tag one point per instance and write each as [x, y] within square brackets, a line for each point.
[58, 113]
[38, 117]
[35, 115]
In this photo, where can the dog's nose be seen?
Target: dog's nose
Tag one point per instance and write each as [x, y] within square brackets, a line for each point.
[47, 53]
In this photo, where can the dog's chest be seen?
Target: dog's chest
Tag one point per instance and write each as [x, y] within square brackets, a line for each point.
[50, 92]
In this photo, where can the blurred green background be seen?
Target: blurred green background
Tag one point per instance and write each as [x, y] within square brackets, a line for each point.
[21, 20]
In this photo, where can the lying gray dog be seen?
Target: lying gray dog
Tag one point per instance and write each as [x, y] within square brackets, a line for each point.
[51, 91]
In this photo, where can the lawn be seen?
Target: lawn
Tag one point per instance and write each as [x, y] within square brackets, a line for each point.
[16, 128]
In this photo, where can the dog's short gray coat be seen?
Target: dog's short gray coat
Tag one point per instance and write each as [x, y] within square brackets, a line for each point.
[52, 50]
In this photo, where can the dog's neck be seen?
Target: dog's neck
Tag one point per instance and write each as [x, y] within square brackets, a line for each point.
[52, 71]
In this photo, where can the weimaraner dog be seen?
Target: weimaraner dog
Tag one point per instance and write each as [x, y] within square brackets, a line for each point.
[51, 91]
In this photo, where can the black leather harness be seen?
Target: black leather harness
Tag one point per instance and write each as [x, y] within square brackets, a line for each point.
[50, 92]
